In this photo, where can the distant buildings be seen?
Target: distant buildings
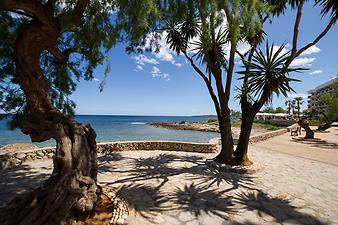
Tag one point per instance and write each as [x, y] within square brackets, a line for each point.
[272, 116]
[313, 100]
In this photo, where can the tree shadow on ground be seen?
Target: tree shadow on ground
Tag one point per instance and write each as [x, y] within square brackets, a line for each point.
[316, 142]
[147, 200]
[108, 162]
[202, 189]
[19, 180]
[198, 198]
[165, 166]
[279, 208]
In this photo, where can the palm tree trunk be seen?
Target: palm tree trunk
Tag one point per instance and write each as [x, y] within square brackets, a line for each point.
[241, 152]
[226, 152]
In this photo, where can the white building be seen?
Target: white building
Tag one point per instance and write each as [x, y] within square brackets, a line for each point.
[272, 116]
[315, 94]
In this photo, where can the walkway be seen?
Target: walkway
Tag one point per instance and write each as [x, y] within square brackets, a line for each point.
[180, 188]
[323, 149]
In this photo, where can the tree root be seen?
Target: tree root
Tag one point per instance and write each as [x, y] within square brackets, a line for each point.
[53, 203]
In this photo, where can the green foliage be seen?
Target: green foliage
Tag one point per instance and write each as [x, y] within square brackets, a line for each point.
[280, 110]
[101, 27]
[268, 74]
[331, 102]
[272, 110]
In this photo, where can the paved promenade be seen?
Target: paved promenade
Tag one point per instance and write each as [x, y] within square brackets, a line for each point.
[324, 148]
[180, 188]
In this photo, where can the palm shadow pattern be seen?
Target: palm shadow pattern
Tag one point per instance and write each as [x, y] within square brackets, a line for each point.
[151, 186]
[280, 209]
[317, 142]
[19, 180]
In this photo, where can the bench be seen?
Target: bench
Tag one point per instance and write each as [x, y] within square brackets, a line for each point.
[295, 131]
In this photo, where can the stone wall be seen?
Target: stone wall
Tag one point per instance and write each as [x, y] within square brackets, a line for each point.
[267, 135]
[15, 159]
[256, 138]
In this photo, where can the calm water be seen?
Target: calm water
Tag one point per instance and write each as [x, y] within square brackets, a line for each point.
[122, 128]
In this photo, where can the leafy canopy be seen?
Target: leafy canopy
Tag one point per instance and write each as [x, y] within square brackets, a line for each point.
[104, 23]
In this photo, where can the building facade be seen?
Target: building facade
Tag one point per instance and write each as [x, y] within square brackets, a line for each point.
[314, 102]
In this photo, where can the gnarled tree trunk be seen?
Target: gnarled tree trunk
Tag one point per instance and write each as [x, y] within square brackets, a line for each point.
[72, 188]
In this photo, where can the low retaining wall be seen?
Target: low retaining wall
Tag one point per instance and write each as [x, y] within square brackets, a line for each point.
[267, 135]
[256, 138]
[15, 159]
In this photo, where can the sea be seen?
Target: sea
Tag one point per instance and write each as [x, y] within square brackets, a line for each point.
[121, 128]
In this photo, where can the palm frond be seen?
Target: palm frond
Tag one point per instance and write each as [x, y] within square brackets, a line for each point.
[268, 73]
[328, 7]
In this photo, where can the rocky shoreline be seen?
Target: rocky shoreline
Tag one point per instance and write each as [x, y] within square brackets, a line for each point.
[186, 126]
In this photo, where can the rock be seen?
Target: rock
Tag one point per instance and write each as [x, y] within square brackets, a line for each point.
[21, 156]
[40, 153]
[17, 147]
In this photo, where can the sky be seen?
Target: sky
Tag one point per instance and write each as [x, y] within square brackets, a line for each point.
[165, 84]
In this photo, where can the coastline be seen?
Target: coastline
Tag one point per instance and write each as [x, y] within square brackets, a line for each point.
[197, 126]
[211, 126]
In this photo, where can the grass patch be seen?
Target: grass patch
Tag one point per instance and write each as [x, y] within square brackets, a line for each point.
[256, 124]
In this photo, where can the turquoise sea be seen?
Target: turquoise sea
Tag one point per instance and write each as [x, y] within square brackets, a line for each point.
[121, 128]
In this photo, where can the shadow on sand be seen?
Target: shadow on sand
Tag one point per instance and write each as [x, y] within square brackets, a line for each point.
[151, 186]
[19, 180]
[172, 184]
[316, 142]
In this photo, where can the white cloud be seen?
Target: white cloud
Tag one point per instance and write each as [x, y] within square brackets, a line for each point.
[303, 62]
[163, 53]
[143, 59]
[242, 47]
[138, 68]
[156, 72]
[166, 77]
[316, 72]
[313, 49]
[95, 79]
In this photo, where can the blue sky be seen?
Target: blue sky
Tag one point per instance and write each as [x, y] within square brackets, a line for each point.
[164, 84]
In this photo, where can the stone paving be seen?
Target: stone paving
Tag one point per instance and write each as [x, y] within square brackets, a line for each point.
[183, 188]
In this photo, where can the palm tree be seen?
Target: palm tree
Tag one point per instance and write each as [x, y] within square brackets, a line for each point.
[293, 106]
[288, 106]
[210, 50]
[298, 102]
[278, 7]
[267, 76]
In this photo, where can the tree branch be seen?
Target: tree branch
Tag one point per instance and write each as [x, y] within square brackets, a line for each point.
[73, 18]
[207, 82]
[230, 70]
[63, 56]
[35, 8]
[296, 28]
[320, 36]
